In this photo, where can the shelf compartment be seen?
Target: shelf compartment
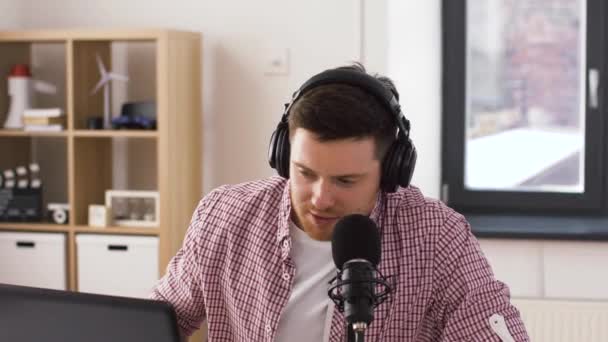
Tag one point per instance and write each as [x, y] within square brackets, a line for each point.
[50, 153]
[47, 61]
[92, 175]
[111, 162]
[134, 59]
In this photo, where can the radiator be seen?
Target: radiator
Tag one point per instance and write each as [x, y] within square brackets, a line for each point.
[564, 321]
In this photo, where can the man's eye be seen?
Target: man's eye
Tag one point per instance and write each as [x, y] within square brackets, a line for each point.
[306, 173]
[345, 181]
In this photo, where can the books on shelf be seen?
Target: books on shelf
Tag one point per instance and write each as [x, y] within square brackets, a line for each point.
[43, 120]
[43, 128]
[55, 120]
[42, 112]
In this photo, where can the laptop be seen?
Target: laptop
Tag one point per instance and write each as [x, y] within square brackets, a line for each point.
[29, 314]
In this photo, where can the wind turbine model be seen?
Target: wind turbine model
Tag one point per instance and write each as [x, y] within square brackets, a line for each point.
[106, 77]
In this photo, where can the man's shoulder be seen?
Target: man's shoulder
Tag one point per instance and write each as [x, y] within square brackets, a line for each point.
[254, 188]
[412, 200]
[425, 215]
[258, 192]
[232, 204]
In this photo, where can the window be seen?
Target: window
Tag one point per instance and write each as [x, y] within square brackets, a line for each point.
[523, 127]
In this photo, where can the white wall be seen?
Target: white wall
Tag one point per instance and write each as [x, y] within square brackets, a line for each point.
[402, 39]
[414, 62]
[550, 269]
[10, 14]
[242, 105]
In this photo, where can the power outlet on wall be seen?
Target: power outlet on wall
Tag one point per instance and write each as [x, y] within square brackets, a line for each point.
[277, 62]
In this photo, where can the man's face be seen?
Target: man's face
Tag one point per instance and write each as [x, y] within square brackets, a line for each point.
[330, 180]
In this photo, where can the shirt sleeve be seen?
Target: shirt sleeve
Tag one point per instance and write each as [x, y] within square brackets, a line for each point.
[181, 284]
[466, 294]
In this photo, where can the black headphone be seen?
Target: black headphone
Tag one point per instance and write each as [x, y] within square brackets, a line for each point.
[400, 160]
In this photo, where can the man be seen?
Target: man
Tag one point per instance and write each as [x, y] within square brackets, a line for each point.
[256, 260]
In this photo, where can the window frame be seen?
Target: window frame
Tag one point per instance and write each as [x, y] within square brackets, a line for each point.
[453, 191]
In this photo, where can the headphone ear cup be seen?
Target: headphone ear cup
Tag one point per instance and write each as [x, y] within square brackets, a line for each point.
[408, 164]
[278, 146]
[388, 182]
[398, 166]
[282, 151]
[272, 149]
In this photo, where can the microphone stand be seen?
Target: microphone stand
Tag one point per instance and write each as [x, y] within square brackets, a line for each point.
[355, 332]
[358, 331]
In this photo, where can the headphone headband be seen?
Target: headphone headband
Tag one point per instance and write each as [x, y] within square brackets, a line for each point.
[388, 98]
[400, 159]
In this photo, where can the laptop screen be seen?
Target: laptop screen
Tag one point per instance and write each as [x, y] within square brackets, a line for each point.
[34, 314]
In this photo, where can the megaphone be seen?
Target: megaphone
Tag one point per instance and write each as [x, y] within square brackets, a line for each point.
[21, 89]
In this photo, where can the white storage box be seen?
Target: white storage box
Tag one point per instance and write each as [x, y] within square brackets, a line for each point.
[117, 265]
[33, 259]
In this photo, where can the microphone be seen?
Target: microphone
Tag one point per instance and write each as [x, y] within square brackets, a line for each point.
[356, 252]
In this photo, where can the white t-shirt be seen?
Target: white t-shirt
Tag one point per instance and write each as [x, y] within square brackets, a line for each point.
[305, 318]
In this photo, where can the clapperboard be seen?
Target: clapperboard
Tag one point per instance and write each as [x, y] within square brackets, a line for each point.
[21, 194]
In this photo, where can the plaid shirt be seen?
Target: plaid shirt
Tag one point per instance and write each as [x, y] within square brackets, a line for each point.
[234, 270]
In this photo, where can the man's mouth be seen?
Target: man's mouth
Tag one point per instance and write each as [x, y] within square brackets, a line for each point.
[322, 219]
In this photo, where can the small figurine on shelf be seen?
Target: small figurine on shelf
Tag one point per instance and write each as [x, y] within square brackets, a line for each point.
[58, 213]
[106, 77]
[98, 216]
[95, 122]
[136, 115]
[21, 89]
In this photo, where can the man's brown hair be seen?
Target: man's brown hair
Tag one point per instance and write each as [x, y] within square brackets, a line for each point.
[339, 111]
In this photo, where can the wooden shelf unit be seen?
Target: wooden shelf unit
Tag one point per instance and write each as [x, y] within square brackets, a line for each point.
[18, 133]
[87, 155]
[115, 134]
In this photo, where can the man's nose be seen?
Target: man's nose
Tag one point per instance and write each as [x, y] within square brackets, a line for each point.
[322, 197]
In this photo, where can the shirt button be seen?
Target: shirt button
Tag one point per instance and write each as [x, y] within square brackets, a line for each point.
[286, 276]
[285, 244]
[268, 329]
